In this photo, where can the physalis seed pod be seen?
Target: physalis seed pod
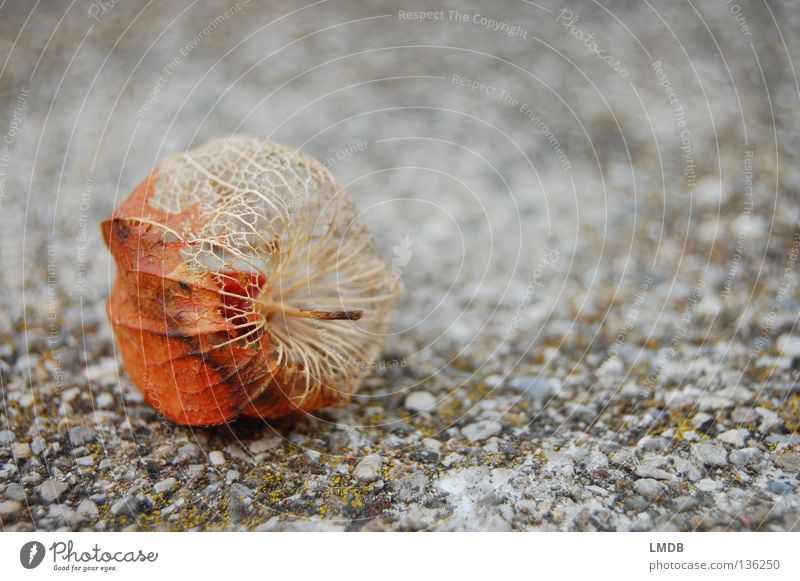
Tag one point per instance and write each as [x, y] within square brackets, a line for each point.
[245, 285]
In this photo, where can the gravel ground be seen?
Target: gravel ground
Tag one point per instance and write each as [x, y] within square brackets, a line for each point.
[598, 235]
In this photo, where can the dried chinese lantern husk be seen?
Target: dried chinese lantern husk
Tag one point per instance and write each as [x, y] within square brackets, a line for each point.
[245, 285]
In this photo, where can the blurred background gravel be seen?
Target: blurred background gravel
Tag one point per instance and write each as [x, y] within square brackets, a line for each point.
[596, 211]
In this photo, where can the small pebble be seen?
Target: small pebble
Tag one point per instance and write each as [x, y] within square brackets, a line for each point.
[637, 503]
[649, 488]
[81, 435]
[9, 508]
[87, 508]
[702, 420]
[685, 467]
[419, 401]
[789, 461]
[779, 487]
[104, 401]
[21, 450]
[481, 430]
[685, 503]
[38, 445]
[770, 420]
[746, 456]
[130, 505]
[653, 444]
[709, 454]
[789, 345]
[744, 416]
[70, 394]
[369, 468]
[6, 437]
[534, 387]
[166, 485]
[241, 489]
[217, 458]
[265, 445]
[51, 490]
[655, 473]
[15, 491]
[734, 437]
[709, 485]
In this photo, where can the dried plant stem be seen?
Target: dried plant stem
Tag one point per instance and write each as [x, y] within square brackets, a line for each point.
[272, 307]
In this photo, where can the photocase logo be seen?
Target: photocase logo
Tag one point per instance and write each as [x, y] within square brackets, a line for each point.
[31, 554]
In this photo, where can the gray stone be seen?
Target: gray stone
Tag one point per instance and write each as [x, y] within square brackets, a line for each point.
[789, 345]
[240, 506]
[481, 430]
[410, 488]
[266, 444]
[649, 488]
[709, 485]
[186, 452]
[746, 457]
[64, 515]
[711, 402]
[744, 415]
[130, 505]
[651, 472]
[701, 419]
[734, 437]
[6, 437]
[735, 393]
[15, 491]
[85, 461]
[623, 457]
[770, 420]
[241, 489]
[51, 490]
[87, 508]
[104, 401]
[21, 450]
[9, 508]
[686, 468]
[81, 435]
[70, 394]
[211, 489]
[637, 503]
[534, 387]
[419, 401]
[780, 487]
[369, 468]
[38, 445]
[165, 486]
[788, 461]
[709, 454]
[685, 503]
[653, 444]
[217, 458]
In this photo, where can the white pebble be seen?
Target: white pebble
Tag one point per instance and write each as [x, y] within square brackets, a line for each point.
[369, 468]
[166, 485]
[734, 437]
[481, 430]
[21, 450]
[104, 401]
[419, 401]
